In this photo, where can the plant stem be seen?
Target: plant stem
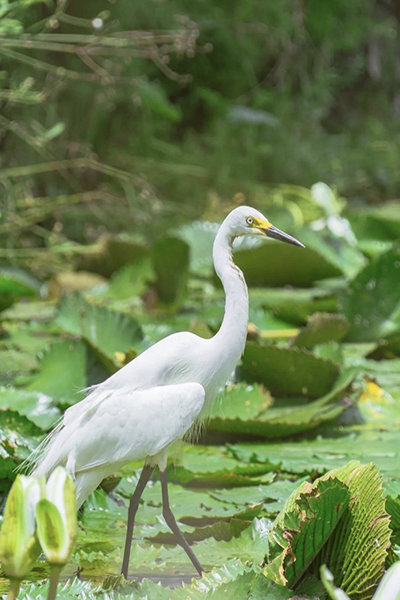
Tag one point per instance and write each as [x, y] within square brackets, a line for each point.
[14, 589]
[54, 577]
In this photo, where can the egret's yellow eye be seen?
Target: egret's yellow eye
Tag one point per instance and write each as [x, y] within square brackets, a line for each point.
[249, 220]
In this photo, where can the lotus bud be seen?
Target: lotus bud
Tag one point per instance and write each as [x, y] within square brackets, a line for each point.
[56, 518]
[19, 547]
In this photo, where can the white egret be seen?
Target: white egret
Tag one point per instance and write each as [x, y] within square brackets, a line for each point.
[156, 398]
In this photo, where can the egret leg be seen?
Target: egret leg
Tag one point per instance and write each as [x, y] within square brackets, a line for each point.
[133, 506]
[173, 525]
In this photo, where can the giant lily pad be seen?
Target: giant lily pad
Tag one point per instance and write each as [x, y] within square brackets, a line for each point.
[171, 266]
[337, 251]
[18, 438]
[357, 551]
[305, 524]
[275, 264]
[132, 279]
[294, 305]
[37, 407]
[245, 417]
[350, 535]
[320, 329]
[14, 284]
[62, 374]
[288, 371]
[111, 253]
[371, 303]
[107, 332]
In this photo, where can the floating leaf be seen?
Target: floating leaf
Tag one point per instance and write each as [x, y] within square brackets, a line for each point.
[276, 265]
[199, 236]
[232, 581]
[18, 438]
[14, 284]
[62, 372]
[223, 478]
[337, 251]
[220, 531]
[107, 332]
[111, 253]
[371, 302]
[171, 266]
[393, 508]
[294, 305]
[30, 311]
[132, 280]
[15, 362]
[305, 524]
[357, 551]
[320, 329]
[247, 418]
[240, 402]
[288, 371]
[36, 406]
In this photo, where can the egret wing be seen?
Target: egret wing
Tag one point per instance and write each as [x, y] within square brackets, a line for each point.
[127, 425]
[169, 361]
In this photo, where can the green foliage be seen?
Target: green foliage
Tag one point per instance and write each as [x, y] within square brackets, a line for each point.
[304, 526]
[121, 147]
[62, 373]
[288, 371]
[320, 329]
[171, 265]
[107, 332]
[371, 303]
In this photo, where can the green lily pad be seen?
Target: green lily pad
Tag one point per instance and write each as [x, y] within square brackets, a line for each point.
[270, 422]
[111, 253]
[132, 280]
[62, 374]
[30, 311]
[220, 531]
[36, 406]
[107, 332]
[171, 266]
[320, 329]
[294, 305]
[288, 371]
[392, 495]
[337, 251]
[241, 475]
[15, 362]
[275, 264]
[199, 236]
[14, 284]
[304, 526]
[31, 338]
[357, 551]
[240, 402]
[18, 438]
[371, 303]
[357, 528]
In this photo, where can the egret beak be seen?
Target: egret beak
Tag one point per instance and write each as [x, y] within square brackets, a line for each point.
[277, 234]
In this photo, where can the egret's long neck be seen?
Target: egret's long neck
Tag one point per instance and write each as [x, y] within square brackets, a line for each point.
[233, 331]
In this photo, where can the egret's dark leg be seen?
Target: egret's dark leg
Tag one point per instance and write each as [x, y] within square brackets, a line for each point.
[133, 506]
[173, 525]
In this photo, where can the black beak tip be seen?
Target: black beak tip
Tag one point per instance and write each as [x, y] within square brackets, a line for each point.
[277, 234]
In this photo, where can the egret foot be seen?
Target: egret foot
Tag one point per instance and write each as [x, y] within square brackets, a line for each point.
[133, 506]
[173, 525]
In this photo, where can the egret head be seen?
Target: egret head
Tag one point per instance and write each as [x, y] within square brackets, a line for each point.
[245, 220]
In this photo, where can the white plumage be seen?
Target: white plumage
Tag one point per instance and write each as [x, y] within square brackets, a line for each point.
[155, 399]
